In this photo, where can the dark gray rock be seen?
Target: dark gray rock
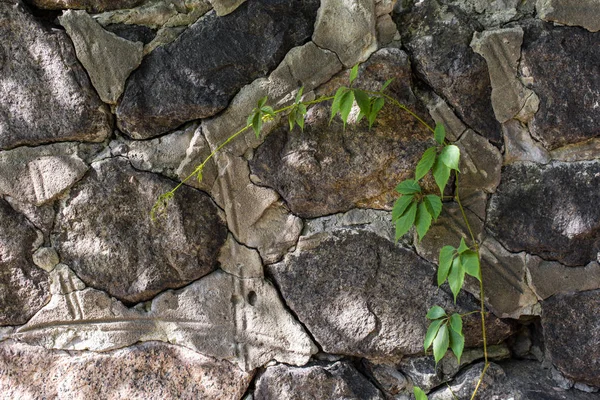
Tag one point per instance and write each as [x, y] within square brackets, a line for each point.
[321, 381]
[135, 33]
[572, 333]
[549, 210]
[438, 39]
[326, 169]
[359, 294]
[564, 66]
[105, 234]
[46, 94]
[89, 5]
[197, 75]
[24, 288]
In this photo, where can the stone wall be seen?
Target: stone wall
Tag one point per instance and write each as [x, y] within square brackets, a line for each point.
[277, 275]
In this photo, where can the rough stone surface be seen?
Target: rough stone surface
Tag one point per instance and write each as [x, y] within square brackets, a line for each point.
[255, 215]
[480, 164]
[123, 251]
[388, 378]
[438, 39]
[508, 380]
[224, 7]
[147, 371]
[520, 146]
[326, 169]
[133, 33]
[562, 316]
[46, 94]
[89, 5]
[549, 210]
[357, 293]
[547, 278]
[587, 150]
[196, 76]
[320, 381]
[24, 288]
[107, 58]
[501, 49]
[582, 13]
[46, 258]
[38, 175]
[240, 320]
[563, 64]
[443, 114]
[239, 260]
[347, 29]
[492, 13]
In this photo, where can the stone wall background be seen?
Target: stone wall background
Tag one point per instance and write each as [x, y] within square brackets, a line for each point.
[277, 275]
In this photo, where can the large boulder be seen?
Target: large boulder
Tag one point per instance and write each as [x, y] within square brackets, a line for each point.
[105, 233]
[197, 75]
[46, 94]
[24, 288]
[549, 210]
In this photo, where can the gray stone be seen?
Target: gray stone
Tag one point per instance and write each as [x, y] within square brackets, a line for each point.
[361, 295]
[560, 380]
[549, 210]
[520, 146]
[46, 94]
[240, 320]
[587, 150]
[194, 78]
[438, 39]
[568, 110]
[501, 49]
[255, 215]
[195, 154]
[107, 58]
[581, 13]
[152, 371]
[547, 278]
[388, 378]
[480, 164]
[320, 381]
[133, 33]
[239, 260]
[443, 114]
[508, 380]
[104, 232]
[224, 7]
[327, 169]
[24, 288]
[38, 175]
[490, 13]
[93, 6]
[573, 319]
[347, 29]
[386, 29]
[46, 258]
[41, 217]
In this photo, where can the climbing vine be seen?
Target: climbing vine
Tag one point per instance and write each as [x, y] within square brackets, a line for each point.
[412, 208]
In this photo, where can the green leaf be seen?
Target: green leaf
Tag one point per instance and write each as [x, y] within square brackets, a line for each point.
[457, 343]
[406, 221]
[346, 106]
[423, 220]
[353, 73]
[441, 343]
[299, 95]
[300, 118]
[441, 174]
[456, 323]
[386, 84]
[335, 106]
[425, 163]
[408, 186]
[268, 110]
[292, 118]
[456, 277]
[435, 312]
[446, 257]
[257, 123]
[439, 133]
[363, 101]
[450, 156]
[377, 106]
[419, 393]
[262, 102]
[432, 331]
[470, 263]
[462, 247]
[434, 205]
[400, 206]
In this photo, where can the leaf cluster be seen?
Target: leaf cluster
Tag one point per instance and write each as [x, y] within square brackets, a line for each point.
[444, 332]
[261, 113]
[455, 263]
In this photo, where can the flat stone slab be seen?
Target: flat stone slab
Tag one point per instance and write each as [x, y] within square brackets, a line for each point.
[581, 13]
[197, 75]
[153, 371]
[46, 94]
[105, 234]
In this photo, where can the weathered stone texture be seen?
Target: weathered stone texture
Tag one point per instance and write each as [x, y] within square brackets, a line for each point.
[321, 381]
[438, 39]
[104, 232]
[549, 210]
[89, 5]
[572, 333]
[196, 76]
[24, 288]
[563, 66]
[580, 13]
[46, 94]
[152, 371]
[327, 169]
